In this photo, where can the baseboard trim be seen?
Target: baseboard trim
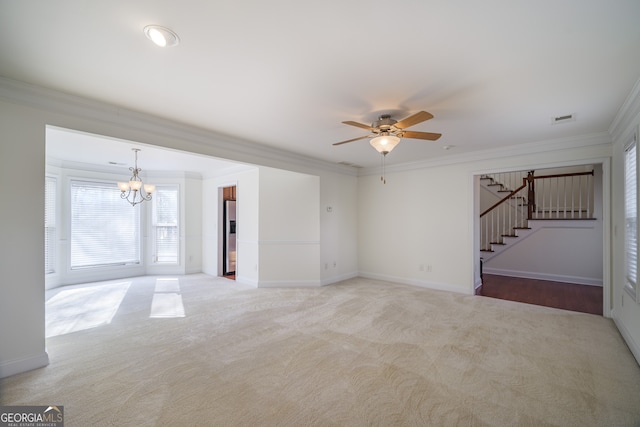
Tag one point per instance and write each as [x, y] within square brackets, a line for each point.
[419, 283]
[290, 284]
[337, 279]
[25, 364]
[626, 336]
[544, 276]
[246, 281]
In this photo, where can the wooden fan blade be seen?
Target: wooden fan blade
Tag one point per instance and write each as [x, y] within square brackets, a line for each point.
[418, 117]
[351, 140]
[421, 135]
[356, 124]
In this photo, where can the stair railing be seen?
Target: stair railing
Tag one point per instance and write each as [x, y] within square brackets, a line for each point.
[506, 215]
[562, 196]
[559, 196]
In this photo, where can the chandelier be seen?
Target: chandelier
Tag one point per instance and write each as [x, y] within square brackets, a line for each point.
[135, 191]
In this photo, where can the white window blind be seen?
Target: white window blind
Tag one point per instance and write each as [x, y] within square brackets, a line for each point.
[631, 216]
[105, 230]
[165, 224]
[49, 225]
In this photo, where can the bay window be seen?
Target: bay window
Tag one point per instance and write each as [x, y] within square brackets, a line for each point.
[165, 224]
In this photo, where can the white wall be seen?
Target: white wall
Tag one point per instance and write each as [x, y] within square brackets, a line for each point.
[289, 229]
[414, 231]
[339, 227]
[562, 251]
[277, 192]
[421, 227]
[21, 239]
[192, 214]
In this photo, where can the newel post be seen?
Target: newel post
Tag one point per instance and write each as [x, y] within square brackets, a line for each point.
[531, 197]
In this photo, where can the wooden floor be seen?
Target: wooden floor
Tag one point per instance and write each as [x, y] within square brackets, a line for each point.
[582, 298]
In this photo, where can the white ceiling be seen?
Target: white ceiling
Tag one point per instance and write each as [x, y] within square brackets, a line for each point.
[286, 73]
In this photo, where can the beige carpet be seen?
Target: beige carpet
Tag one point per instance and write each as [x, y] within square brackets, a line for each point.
[204, 351]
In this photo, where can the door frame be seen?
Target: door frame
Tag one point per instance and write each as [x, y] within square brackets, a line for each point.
[221, 227]
[605, 163]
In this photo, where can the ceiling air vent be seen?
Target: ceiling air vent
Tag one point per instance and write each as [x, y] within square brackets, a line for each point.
[563, 119]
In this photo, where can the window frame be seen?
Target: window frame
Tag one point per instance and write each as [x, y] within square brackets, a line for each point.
[153, 224]
[631, 285]
[107, 184]
[51, 222]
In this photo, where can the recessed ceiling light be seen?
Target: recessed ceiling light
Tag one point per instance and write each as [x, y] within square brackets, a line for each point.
[161, 36]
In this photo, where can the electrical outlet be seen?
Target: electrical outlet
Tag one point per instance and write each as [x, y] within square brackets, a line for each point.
[429, 268]
[326, 265]
[334, 264]
[421, 267]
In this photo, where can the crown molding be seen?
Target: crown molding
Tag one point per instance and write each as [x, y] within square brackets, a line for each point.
[580, 141]
[212, 143]
[627, 117]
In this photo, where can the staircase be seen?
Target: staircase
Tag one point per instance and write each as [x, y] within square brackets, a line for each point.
[506, 220]
[521, 197]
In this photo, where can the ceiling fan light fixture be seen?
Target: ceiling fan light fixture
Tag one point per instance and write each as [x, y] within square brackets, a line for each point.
[384, 143]
[161, 36]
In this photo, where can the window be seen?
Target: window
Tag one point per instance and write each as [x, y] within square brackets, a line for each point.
[165, 224]
[631, 216]
[105, 230]
[50, 225]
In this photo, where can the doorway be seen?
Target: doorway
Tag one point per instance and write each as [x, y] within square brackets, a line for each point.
[229, 228]
[559, 250]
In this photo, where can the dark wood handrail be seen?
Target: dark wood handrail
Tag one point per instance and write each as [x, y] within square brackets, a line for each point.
[530, 177]
[524, 184]
[561, 175]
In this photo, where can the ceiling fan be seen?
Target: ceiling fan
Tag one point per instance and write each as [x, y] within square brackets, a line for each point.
[386, 132]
